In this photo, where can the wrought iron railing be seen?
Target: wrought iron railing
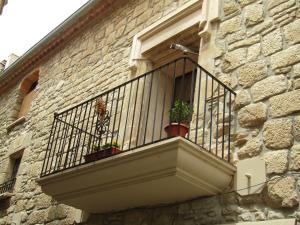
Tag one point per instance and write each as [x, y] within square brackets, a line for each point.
[136, 113]
[7, 186]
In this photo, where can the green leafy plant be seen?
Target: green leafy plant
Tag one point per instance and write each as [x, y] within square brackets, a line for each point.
[96, 148]
[181, 112]
[108, 145]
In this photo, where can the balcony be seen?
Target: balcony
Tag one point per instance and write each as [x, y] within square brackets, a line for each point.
[6, 188]
[112, 152]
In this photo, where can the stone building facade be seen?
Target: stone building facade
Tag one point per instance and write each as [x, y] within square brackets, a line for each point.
[250, 45]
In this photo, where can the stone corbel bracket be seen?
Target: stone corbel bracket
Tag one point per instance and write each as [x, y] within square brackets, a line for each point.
[211, 10]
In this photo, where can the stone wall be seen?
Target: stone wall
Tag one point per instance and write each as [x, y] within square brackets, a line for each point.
[92, 62]
[258, 42]
[259, 52]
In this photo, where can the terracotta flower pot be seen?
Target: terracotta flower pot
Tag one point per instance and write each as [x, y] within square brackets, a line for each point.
[94, 156]
[175, 129]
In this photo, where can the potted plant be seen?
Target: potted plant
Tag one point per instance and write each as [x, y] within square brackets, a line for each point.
[104, 151]
[180, 117]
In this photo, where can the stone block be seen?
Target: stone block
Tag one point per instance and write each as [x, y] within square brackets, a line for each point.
[280, 192]
[253, 14]
[280, 8]
[36, 217]
[295, 157]
[236, 36]
[230, 26]
[297, 84]
[56, 212]
[252, 148]
[272, 215]
[285, 104]
[251, 73]
[272, 43]
[230, 6]
[276, 161]
[272, 3]
[220, 131]
[291, 32]
[234, 59]
[245, 2]
[228, 80]
[269, 87]
[260, 27]
[277, 133]
[297, 70]
[297, 128]
[254, 52]
[242, 99]
[286, 57]
[245, 42]
[252, 115]
[240, 138]
[43, 201]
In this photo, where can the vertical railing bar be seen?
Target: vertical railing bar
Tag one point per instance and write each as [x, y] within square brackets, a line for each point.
[150, 92]
[198, 105]
[174, 83]
[111, 107]
[155, 107]
[48, 149]
[204, 117]
[97, 120]
[78, 142]
[181, 88]
[133, 114]
[113, 130]
[217, 130]
[211, 113]
[141, 108]
[73, 152]
[192, 95]
[229, 134]
[68, 150]
[87, 125]
[60, 142]
[164, 99]
[100, 136]
[121, 113]
[60, 151]
[92, 135]
[127, 114]
[223, 122]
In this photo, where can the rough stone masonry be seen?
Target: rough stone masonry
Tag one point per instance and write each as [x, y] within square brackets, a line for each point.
[259, 44]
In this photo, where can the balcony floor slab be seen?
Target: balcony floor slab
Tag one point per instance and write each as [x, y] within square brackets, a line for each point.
[169, 171]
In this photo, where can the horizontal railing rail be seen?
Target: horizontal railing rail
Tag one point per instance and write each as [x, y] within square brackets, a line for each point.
[179, 96]
[7, 186]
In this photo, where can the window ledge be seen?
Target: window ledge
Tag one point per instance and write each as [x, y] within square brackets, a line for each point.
[15, 123]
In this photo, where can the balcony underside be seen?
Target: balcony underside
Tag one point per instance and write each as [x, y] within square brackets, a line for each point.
[165, 172]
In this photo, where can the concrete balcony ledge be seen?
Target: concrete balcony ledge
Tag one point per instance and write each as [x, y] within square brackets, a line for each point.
[169, 171]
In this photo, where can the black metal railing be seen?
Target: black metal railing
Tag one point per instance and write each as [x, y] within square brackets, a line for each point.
[7, 186]
[135, 114]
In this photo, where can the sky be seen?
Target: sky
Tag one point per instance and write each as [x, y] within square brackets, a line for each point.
[24, 22]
